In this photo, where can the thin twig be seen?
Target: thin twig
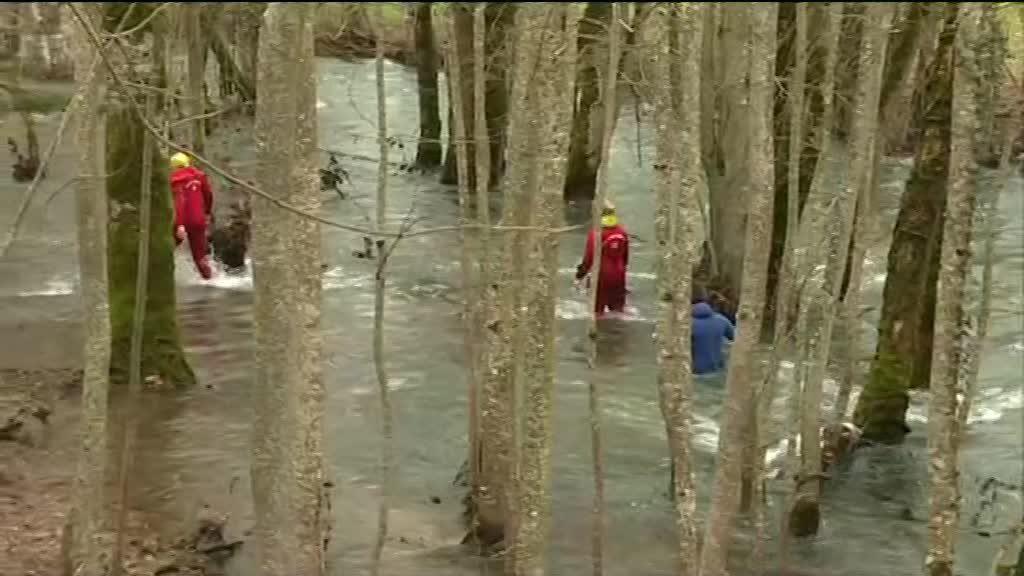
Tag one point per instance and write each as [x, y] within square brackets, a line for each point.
[253, 189]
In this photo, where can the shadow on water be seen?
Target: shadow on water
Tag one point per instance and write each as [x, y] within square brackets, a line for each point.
[194, 446]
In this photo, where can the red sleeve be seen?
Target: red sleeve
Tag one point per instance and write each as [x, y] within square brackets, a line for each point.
[177, 207]
[207, 194]
[588, 257]
[625, 248]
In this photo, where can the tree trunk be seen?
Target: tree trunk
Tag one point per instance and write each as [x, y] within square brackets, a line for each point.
[89, 518]
[195, 100]
[550, 30]
[428, 150]
[585, 140]
[943, 428]
[740, 401]
[823, 293]
[679, 179]
[163, 354]
[461, 55]
[913, 263]
[728, 203]
[287, 459]
[609, 109]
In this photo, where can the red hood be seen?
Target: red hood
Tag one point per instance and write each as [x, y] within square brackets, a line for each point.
[184, 174]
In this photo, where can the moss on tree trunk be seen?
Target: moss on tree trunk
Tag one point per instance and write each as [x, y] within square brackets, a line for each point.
[903, 355]
[162, 352]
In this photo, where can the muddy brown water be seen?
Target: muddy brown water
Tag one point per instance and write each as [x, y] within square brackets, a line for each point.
[194, 445]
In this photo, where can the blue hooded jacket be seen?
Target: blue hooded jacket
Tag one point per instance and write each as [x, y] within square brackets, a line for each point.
[710, 331]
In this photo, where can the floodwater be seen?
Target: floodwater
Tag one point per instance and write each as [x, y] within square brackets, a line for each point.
[194, 445]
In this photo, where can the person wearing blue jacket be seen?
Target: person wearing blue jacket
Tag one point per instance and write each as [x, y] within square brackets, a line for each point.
[710, 331]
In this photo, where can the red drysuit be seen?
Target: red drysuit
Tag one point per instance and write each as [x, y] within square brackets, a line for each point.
[193, 201]
[611, 286]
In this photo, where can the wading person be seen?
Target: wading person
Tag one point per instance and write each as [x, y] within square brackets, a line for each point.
[193, 206]
[710, 332]
[611, 285]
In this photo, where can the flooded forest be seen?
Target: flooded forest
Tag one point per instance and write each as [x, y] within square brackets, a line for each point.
[538, 288]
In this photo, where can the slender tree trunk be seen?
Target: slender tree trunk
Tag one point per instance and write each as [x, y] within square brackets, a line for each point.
[679, 180]
[90, 517]
[741, 401]
[822, 296]
[428, 151]
[379, 297]
[943, 429]
[552, 31]
[287, 459]
[195, 101]
[609, 109]
[913, 259]
[462, 52]
[585, 143]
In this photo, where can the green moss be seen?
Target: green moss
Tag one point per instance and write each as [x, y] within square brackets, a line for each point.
[882, 409]
[163, 354]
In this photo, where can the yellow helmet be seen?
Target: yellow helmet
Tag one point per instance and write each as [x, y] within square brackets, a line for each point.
[180, 160]
[608, 216]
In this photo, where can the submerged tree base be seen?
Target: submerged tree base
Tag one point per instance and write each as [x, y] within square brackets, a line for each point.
[805, 517]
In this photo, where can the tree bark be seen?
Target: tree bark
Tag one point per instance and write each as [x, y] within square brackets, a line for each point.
[823, 293]
[907, 302]
[609, 110]
[89, 518]
[943, 428]
[679, 180]
[287, 459]
[460, 55]
[728, 207]
[585, 140]
[741, 400]
[551, 31]
[163, 354]
[195, 100]
[428, 150]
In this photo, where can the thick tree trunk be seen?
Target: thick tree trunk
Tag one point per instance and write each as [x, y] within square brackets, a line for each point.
[287, 459]
[907, 300]
[163, 354]
[823, 292]
[741, 400]
[728, 203]
[679, 179]
[89, 518]
[943, 428]
[585, 143]
[428, 150]
[546, 103]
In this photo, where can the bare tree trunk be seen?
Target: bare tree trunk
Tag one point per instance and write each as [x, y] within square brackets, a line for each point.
[943, 429]
[551, 31]
[379, 297]
[585, 142]
[822, 295]
[195, 100]
[679, 181]
[287, 459]
[912, 261]
[609, 108]
[428, 151]
[90, 518]
[741, 400]
[728, 203]
[462, 51]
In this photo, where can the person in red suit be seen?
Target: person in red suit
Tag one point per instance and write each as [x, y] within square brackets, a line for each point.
[193, 206]
[611, 285]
